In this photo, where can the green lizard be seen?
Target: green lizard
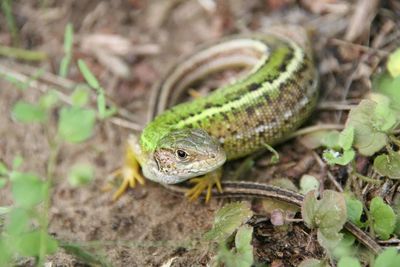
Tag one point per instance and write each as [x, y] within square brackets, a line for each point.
[194, 139]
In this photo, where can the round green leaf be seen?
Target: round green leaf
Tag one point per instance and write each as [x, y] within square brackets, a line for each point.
[308, 183]
[3, 182]
[76, 124]
[371, 122]
[327, 214]
[388, 258]
[388, 165]
[386, 85]
[354, 209]
[349, 262]
[383, 218]
[228, 219]
[27, 189]
[26, 112]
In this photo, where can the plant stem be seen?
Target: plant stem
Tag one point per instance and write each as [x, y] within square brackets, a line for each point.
[22, 54]
[44, 218]
[394, 140]
[366, 179]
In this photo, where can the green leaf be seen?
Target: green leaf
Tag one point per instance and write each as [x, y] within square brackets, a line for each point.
[31, 244]
[17, 162]
[396, 208]
[5, 252]
[388, 258]
[388, 165]
[80, 174]
[354, 210]
[383, 218]
[331, 242]
[3, 169]
[88, 75]
[18, 222]
[327, 214]
[371, 121]
[386, 85]
[331, 140]
[76, 124]
[68, 43]
[68, 38]
[386, 117]
[48, 100]
[349, 262]
[27, 189]
[244, 249]
[346, 138]
[3, 182]
[80, 96]
[308, 183]
[228, 219]
[243, 254]
[346, 247]
[315, 139]
[26, 112]
[333, 157]
[393, 63]
[309, 209]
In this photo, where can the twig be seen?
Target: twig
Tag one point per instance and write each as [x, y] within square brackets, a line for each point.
[126, 124]
[32, 83]
[331, 178]
[316, 128]
[360, 47]
[335, 106]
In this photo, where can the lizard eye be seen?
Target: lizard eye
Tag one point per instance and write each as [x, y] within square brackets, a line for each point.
[181, 154]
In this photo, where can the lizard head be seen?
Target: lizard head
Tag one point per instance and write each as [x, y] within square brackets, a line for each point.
[187, 153]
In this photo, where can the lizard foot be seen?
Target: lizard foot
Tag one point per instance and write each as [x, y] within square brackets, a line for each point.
[205, 182]
[129, 172]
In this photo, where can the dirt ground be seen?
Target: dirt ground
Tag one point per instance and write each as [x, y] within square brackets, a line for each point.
[149, 225]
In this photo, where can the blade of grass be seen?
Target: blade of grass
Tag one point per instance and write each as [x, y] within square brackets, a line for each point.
[22, 54]
[68, 42]
[7, 10]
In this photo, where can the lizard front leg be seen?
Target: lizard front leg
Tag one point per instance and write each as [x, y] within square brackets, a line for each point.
[130, 171]
[205, 183]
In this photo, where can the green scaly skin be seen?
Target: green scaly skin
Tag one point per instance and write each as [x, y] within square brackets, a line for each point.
[261, 108]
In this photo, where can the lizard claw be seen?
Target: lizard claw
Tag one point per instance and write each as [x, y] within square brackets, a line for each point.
[205, 183]
[130, 174]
